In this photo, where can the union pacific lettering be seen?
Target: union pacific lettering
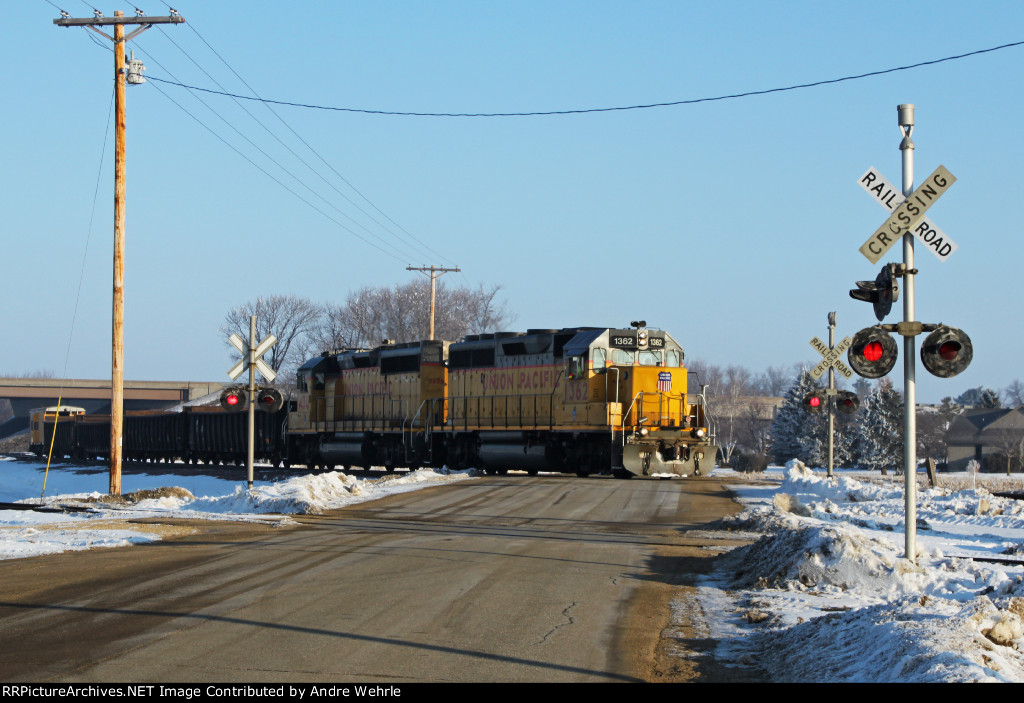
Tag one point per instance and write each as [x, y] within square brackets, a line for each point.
[535, 378]
[361, 383]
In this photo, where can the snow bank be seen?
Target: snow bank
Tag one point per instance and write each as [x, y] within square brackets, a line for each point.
[826, 595]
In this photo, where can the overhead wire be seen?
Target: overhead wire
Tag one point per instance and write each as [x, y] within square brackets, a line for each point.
[293, 153]
[580, 111]
[397, 247]
[275, 179]
[277, 163]
[316, 153]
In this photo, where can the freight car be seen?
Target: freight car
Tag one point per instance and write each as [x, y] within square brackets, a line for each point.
[194, 435]
[582, 400]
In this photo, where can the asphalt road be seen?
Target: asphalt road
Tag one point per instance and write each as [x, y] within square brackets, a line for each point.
[517, 579]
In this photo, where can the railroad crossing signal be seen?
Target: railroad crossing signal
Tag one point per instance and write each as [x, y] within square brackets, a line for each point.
[890, 197]
[269, 399]
[234, 399]
[908, 216]
[261, 349]
[815, 401]
[847, 402]
[873, 352]
[882, 292]
[833, 357]
[947, 351]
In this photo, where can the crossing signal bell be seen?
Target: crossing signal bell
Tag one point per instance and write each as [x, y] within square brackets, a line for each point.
[234, 399]
[881, 293]
[815, 401]
[873, 352]
[947, 351]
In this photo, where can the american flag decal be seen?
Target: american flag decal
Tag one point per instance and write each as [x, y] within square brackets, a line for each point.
[664, 381]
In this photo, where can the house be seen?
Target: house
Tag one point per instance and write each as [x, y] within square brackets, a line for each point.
[988, 435]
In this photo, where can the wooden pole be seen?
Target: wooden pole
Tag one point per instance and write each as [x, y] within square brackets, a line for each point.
[120, 79]
[117, 362]
[435, 273]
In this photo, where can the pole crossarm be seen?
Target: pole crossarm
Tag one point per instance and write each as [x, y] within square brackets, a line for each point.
[102, 21]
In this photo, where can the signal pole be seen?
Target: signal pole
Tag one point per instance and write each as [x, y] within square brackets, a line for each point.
[435, 273]
[905, 117]
[121, 76]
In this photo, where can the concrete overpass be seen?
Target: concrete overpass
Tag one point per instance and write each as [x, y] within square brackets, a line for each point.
[25, 394]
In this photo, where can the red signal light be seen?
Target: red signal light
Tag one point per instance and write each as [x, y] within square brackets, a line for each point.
[814, 401]
[231, 400]
[873, 351]
[949, 350]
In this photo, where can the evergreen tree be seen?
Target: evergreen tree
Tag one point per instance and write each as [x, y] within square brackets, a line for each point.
[793, 429]
[879, 441]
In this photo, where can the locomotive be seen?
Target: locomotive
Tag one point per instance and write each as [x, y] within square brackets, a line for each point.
[583, 400]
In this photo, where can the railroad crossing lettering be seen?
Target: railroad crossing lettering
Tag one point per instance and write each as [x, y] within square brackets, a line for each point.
[833, 357]
[908, 215]
[889, 196]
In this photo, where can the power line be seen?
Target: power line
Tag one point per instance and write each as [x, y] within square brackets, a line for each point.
[415, 243]
[547, 113]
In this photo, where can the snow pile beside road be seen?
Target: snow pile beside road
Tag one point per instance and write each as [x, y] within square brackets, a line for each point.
[825, 594]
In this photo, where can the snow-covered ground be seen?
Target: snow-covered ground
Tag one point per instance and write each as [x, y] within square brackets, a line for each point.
[826, 595]
[822, 594]
[86, 523]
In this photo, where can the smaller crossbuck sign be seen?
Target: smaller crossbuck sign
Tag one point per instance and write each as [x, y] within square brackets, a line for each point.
[833, 357]
[261, 349]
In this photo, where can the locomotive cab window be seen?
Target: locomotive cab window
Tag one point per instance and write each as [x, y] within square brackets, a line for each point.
[650, 358]
[622, 357]
[600, 359]
[672, 358]
[575, 366]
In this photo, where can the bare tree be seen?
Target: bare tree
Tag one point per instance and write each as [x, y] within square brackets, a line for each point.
[775, 381]
[288, 317]
[706, 375]
[1013, 394]
[402, 313]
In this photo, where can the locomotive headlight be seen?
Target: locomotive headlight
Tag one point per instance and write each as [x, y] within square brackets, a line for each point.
[699, 432]
[643, 431]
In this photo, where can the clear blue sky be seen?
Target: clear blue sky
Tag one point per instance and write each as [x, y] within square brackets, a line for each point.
[732, 224]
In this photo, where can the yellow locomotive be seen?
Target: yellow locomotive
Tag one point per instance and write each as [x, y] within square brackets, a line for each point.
[581, 400]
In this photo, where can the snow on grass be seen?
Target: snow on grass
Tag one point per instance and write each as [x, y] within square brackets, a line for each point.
[827, 595]
[80, 517]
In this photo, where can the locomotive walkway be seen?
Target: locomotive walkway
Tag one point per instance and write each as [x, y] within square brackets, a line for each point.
[503, 578]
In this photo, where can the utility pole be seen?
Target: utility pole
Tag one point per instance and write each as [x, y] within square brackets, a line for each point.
[435, 272]
[131, 72]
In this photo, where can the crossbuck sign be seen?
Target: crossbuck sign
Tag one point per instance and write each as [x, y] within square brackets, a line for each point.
[907, 214]
[261, 349]
[833, 357]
